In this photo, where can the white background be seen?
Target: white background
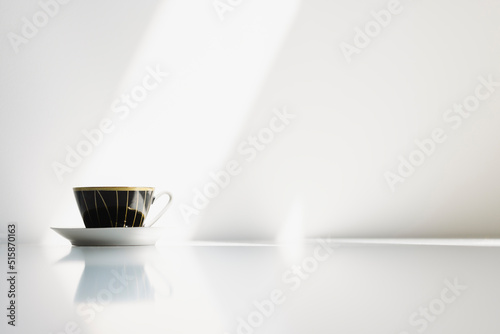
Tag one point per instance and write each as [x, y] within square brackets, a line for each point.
[323, 175]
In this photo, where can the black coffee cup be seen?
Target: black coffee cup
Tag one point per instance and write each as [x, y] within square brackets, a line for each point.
[117, 206]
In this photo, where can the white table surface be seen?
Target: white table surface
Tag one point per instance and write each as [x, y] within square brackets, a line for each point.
[318, 287]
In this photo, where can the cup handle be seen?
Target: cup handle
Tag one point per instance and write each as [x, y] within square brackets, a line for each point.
[156, 196]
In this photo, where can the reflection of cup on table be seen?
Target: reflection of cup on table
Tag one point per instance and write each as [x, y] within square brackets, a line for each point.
[114, 283]
[119, 274]
[117, 206]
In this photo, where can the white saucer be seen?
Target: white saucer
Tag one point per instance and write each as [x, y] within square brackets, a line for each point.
[111, 236]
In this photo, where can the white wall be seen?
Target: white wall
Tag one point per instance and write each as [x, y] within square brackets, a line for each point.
[325, 175]
[322, 175]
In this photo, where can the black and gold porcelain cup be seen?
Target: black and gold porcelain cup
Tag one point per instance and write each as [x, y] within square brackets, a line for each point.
[117, 206]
